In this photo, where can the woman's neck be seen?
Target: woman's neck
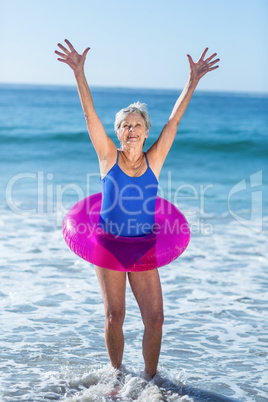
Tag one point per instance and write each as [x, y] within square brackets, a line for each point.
[132, 156]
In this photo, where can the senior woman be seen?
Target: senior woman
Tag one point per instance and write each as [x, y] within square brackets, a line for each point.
[126, 166]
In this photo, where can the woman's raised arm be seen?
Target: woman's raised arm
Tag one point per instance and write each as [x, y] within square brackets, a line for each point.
[161, 147]
[100, 140]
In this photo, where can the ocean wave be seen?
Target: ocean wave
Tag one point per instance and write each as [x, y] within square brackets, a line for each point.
[240, 147]
[34, 136]
[216, 145]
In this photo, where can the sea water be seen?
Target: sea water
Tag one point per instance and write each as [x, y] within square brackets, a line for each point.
[215, 335]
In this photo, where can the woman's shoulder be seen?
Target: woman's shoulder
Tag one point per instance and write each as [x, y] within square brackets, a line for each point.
[154, 162]
[107, 161]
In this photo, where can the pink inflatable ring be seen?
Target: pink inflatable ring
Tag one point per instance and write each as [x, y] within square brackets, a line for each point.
[85, 237]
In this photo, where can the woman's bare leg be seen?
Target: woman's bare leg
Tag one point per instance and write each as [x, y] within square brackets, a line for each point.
[147, 290]
[113, 289]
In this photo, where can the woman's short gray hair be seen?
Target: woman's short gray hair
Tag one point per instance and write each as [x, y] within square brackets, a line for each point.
[136, 107]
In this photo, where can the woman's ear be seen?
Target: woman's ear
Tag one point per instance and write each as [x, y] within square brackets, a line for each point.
[118, 136]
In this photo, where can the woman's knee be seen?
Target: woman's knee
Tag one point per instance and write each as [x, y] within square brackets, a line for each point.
[115, 318]
[154, 320]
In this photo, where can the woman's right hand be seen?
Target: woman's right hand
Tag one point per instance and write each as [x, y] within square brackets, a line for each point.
[75, 60]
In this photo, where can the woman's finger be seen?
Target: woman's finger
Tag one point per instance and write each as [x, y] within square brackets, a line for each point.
[190, 60]
[211, 57]
[62, 60]
[213, 68]
[69, 44]
[203, 54]
[85, 51]
[60, 54]
[63, 48]
[213, 62]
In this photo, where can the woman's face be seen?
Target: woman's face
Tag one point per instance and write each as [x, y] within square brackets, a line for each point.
[132, 130]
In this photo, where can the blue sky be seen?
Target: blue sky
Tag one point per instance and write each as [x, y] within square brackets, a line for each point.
[142, 43]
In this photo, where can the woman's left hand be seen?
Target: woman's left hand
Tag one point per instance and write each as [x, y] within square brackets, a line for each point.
[200, 68]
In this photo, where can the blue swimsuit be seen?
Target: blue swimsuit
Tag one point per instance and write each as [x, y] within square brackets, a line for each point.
[128, 203]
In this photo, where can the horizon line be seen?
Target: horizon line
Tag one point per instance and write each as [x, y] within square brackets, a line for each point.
[122, 87]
